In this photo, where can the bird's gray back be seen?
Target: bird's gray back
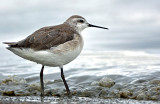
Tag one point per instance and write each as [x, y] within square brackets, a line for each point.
[47, 37]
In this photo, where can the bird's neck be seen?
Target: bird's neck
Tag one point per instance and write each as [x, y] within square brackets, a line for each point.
[75, 28]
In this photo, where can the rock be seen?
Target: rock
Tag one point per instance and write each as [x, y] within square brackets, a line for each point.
[154, 98]
[9, 93]
[156, 82]
[125, 93]
[95, 83]
[142, 96]
[106, 82]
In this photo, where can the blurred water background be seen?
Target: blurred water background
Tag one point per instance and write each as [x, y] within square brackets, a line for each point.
[128, 52]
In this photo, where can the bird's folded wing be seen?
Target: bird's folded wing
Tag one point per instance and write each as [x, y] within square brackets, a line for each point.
[44, 39]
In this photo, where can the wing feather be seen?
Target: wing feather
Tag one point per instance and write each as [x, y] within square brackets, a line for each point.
[46, 38]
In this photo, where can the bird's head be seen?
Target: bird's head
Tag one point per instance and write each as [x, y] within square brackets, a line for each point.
[79, 23]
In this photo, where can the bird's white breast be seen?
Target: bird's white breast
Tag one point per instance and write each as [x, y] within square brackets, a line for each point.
[55, 56]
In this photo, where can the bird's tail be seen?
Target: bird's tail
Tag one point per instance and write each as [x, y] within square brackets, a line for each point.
[11, 44]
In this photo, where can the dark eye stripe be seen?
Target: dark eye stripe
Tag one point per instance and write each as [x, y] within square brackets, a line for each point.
[81, 21]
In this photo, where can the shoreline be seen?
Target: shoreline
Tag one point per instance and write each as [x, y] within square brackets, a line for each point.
[73, 100]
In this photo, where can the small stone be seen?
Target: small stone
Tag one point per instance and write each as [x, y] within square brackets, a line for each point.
[35, 86]
[9, 93]
[106, 82]
[125, 93]
[21, 93]
[115, 94]
[156, 82]
[141, 96]
[154, 98]
[103, 93]
[117, 87]
[95, 83]
[86, 93]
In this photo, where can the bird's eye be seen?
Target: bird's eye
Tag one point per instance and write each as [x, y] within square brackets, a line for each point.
[81, 21]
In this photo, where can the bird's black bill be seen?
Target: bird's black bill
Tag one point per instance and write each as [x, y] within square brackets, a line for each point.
[90, 25]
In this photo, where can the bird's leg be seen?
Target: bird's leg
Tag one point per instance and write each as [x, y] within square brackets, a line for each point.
[41, 80]
[64, 81]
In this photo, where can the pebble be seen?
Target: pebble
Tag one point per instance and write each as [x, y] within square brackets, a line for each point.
[125, 93]
[95, 83]
[106, 82]
[142, 96]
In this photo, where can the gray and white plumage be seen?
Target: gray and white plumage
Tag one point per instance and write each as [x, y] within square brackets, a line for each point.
[52, 45]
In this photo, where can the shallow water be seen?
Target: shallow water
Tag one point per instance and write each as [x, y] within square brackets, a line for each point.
[73, 100]
[131, 75]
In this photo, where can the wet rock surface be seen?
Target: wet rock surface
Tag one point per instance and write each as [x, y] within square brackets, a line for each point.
[104, 88]
[69, 100]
